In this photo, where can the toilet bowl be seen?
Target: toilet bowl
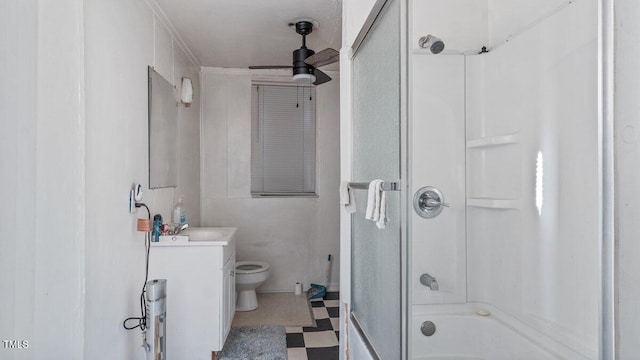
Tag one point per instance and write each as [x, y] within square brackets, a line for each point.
[249, 275]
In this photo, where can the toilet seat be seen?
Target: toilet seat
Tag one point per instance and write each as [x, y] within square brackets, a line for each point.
[251, 267]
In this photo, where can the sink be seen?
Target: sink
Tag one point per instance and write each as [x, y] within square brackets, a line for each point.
[209, 233]
[198, 236]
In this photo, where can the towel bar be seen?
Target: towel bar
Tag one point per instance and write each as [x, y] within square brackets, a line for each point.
[386, 186]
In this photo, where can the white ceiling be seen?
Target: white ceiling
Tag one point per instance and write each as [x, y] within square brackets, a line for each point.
[240, 33]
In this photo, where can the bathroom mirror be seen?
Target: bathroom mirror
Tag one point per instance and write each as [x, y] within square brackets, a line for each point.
[163, 127]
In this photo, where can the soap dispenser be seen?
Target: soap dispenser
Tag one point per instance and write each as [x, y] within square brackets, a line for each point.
[178, 212]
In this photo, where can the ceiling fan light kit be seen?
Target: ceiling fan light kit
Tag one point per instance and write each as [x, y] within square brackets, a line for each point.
[303, 79]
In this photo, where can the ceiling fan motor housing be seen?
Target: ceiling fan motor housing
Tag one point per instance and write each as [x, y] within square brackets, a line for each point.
[299, 66]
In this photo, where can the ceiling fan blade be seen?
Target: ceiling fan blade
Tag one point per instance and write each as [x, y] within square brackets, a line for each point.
[321, 77]
[324, 57]
[271, 67]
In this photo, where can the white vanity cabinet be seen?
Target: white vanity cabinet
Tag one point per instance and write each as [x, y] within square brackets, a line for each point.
[229, 296]
[200, 293]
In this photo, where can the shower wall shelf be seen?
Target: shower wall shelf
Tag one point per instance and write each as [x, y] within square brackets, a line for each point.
[493, 141]
[493, 203]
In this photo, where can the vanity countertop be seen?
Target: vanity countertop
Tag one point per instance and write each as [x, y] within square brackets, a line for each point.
[199, 236]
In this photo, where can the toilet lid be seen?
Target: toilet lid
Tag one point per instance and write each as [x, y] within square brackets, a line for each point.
[251, 267]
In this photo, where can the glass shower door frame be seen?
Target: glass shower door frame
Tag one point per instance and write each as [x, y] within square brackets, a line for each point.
[378, 8]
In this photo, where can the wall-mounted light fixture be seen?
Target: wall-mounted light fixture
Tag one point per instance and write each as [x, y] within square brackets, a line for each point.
[186, 94]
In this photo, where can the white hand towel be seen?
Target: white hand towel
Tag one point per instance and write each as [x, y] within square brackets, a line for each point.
[371, 199]
[347, 199]
[382, 218]
[377, 204]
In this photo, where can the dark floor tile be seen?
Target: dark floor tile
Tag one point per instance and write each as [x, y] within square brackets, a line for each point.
[334, 295]
[334, 312]
[321, 325]
[317, 303]
[295, 340]
[329, 353]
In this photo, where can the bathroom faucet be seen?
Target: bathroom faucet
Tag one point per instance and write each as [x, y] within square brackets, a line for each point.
[180, 228]
[430, 281]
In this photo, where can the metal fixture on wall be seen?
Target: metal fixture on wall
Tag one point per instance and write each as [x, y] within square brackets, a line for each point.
[434, 44]
[428, 202]
[428, 328]
[430, 282]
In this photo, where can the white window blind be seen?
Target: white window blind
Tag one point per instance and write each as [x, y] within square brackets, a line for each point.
[283, 140]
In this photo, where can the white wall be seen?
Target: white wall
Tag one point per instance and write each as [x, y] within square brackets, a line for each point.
[354, 15]
[627, 149]
[42, 179]
[122, 38]
[510, 17]
[294, 235]
[537, 93]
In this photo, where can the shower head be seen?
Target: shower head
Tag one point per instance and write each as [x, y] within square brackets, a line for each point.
[434, 44]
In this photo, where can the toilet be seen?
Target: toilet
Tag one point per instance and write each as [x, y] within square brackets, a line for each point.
[249, 275]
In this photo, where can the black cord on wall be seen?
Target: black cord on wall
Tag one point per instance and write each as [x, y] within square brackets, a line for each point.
[142, 320]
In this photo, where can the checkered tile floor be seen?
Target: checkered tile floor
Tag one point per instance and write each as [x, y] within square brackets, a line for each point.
[320, 342]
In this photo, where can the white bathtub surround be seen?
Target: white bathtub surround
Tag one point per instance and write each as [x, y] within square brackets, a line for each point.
[439, 244]
[463, 334]
[549, 256]
[531, 243]
[292, 234]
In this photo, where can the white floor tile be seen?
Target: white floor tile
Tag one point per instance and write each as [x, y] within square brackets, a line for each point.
[332, 303]
[320, 339]
[297, 354]
[293, 329]
[335, 322]
[320, 313]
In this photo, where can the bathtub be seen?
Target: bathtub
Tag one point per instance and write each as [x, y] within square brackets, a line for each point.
[463, 334]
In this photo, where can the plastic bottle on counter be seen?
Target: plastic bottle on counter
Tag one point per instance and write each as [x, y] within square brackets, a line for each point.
[179, 216]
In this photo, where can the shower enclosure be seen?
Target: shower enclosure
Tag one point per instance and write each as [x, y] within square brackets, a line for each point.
[506, 124]
[376, 277]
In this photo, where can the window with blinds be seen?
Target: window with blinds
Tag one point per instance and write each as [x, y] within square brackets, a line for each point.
[283, 140]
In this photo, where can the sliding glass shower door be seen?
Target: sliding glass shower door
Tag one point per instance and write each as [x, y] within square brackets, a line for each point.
[376, 253]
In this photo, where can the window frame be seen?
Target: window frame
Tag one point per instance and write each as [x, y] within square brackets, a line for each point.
[257, 121]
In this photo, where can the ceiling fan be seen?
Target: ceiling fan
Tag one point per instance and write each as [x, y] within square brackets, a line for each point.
[306, 61]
